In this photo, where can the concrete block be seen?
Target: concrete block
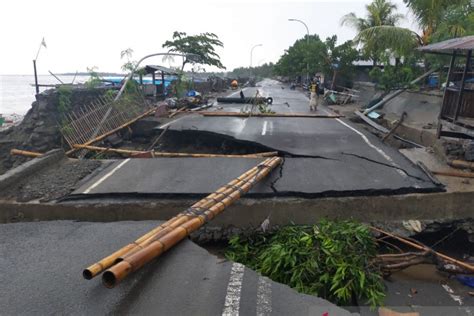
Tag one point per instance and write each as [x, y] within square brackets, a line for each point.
[30, 167]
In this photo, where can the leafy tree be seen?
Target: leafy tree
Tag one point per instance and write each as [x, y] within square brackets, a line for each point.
[303, 51]
[378, 32]
[322, 56]
[129, 64]
[339, 60]
[203, 45]
[457, 20]
[430, 14]
[264, 71]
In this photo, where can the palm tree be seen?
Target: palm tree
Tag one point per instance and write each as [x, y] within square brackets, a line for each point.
[431, 14]
[378, 31]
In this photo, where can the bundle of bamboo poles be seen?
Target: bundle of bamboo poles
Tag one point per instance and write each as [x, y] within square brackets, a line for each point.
[155, 154]
[151, 245]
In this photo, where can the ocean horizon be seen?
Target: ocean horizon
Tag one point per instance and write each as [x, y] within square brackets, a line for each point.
[17, 92]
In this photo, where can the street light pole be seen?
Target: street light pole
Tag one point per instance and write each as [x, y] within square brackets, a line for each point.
[307, 42]
[251, 56]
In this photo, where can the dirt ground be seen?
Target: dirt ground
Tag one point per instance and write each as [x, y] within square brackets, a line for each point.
[51, 183]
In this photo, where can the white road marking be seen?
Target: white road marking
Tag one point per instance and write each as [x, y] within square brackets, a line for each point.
[234, 287]
[120, 165]
[380, 151]
[450, 291]
[264, 296]
[264, 128]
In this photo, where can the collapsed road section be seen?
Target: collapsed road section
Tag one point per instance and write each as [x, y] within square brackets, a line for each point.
[325, 156]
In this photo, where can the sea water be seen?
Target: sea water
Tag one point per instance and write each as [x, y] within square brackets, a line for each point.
[17, 92]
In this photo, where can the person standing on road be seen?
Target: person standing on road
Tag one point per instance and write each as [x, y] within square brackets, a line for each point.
[315, 91]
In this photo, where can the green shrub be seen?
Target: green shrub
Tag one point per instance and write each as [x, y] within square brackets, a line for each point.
[332, 259]
[64, 99]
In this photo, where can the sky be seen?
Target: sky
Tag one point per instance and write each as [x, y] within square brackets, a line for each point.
[92, 33]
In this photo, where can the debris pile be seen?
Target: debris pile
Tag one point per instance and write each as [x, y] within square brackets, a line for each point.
[39, 130]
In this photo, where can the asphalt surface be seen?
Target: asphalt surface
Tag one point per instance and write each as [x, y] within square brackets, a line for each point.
[295, 177]
[325, 157]
[41, 274]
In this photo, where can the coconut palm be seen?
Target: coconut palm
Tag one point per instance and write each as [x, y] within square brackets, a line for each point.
[430, 14]
[378, 32]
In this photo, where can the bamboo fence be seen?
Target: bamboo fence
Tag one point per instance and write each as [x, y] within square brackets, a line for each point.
[151, 245]
[83, 124]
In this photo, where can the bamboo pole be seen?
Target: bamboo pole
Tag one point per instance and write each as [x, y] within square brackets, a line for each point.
[181, 110]
[454, 174]
[25, 153]
[118, 272]
[461, 164]
[424, 248]
[217, 196]
[199, 208]
[101, 137]
[238, 114]
[170, 154]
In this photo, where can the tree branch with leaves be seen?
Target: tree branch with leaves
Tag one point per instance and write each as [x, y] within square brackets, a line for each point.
[203, 45]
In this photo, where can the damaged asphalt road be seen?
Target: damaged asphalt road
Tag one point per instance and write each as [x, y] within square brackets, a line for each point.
[324, 157]
[45, 261]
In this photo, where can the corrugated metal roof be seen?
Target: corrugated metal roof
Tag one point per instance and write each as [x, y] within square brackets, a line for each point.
[456, 44]
[152, 68]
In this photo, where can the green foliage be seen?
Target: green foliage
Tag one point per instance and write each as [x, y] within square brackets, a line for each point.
[430, 14]
[321, 56]
[263, 71]
[332, 259]
[64, 99]
[458, 20]
[110, 94]
[379, 34]
[203, 45]
[94, 79]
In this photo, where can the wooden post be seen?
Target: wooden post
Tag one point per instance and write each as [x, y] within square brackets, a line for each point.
[463, 81]
[36, 76]
[163, 83]
[153, 77]
[440, 116]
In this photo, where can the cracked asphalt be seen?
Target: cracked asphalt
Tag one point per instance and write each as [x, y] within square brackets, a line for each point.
[324, 157]
[41, 274]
